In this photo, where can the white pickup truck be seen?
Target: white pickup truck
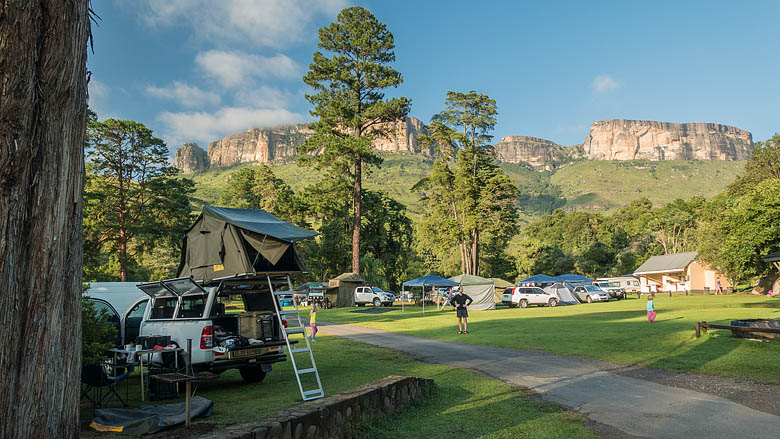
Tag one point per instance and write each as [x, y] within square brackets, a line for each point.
[249, 341]
[373, 296]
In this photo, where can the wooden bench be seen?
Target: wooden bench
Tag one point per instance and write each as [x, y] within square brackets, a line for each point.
[703, 326]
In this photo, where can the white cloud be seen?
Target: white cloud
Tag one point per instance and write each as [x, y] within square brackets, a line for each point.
[233, 68]
[207, 127]
[605, 83]
[262, 97]
[98, 96]
[269, 23]
[184, 94]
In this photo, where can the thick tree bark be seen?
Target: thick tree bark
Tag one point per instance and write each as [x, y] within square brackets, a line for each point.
[357, 195]
[43, 51]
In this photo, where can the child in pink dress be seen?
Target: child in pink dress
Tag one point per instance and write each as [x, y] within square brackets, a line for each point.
[650, 308]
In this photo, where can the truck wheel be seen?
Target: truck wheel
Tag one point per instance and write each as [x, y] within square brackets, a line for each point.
[553, 302]
[388, 304]
[251, 374]
[523, 303]
[377, 302]
[589, 299]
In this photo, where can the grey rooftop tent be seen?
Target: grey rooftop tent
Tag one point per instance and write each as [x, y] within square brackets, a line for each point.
[227, 242]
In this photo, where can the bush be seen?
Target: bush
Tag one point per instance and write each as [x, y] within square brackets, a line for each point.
[96, 336]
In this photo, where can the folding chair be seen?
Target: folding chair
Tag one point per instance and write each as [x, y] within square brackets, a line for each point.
[99, 388]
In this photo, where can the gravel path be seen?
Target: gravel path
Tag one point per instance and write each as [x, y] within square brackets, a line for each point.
[619, 401]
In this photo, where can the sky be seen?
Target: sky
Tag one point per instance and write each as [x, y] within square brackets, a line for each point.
[198, 70]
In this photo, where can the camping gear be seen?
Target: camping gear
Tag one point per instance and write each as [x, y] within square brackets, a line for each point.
[428, 281]
[481, 291]
[148, 419]
[227, 242]
[99, 388]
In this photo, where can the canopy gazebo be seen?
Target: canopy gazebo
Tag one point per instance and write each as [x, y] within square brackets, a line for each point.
[431, 281]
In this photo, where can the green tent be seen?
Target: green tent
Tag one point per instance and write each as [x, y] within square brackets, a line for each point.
[226, 242]
[500, 284]
[481, 290]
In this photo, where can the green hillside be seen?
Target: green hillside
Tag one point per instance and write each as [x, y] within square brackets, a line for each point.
[587, 185]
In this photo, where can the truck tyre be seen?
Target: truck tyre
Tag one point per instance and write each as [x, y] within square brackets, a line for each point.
[552, 302]
[251, 374]
[589, 299]
[523, 303]
[388, 304]
[377, 302]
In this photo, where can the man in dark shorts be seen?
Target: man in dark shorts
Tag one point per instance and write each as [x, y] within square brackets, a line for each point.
[459, 302]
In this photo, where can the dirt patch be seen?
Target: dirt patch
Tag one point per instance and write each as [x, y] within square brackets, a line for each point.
[761, 397]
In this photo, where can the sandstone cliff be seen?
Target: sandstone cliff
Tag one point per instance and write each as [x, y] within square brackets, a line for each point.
[279, 143]
[620, 139]
[190, 157]
[539, 153]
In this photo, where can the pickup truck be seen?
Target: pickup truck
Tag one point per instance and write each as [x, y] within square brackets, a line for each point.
[612, 288]
[373, 295]
[249, 340]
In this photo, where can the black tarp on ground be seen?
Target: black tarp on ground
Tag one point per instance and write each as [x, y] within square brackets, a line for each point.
[227, 242]
[148, 419]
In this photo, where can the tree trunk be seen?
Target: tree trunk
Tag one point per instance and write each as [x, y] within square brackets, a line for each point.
[475, 252]
[42, 123]
[357, 194]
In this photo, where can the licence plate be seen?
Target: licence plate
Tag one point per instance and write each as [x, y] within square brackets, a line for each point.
[243, 353]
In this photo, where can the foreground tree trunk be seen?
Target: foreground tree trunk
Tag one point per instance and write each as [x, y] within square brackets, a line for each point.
[43, 51]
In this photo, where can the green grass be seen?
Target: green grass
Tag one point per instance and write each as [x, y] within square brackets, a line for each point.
[614, 331]
[603, 185]
[457, 409]
[587, 185]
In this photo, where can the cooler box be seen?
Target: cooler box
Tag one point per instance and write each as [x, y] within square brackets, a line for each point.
[257, 325]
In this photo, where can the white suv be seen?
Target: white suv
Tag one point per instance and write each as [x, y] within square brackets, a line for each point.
[524, 296]
[373, 295]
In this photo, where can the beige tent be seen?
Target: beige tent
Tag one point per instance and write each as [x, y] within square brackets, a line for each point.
[481, 291]
[500, 284]
[346, 283]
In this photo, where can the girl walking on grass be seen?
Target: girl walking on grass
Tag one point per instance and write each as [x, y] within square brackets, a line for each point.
[313, 321]
[650, 308]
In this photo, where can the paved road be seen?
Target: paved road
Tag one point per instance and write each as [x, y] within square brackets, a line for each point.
[633, 406]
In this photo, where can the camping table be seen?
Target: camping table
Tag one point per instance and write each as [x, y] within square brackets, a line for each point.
[143, 353]
[176, 378]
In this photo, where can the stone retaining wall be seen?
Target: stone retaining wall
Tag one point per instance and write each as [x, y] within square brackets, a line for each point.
[329, 417]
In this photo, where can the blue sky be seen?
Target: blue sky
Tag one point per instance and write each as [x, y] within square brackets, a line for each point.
[197, 70]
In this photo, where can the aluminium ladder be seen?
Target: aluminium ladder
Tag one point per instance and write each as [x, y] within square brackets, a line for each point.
[310, 394]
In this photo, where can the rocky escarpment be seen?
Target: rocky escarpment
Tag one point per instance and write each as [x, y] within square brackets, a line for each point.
[620, 139]
[190, 157]
[539, 153]
[280, 143]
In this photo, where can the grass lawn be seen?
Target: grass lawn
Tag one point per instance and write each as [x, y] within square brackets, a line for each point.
[616, 331]
[465, 404]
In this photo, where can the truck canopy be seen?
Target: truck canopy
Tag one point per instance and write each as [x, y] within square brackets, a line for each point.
[227, 242]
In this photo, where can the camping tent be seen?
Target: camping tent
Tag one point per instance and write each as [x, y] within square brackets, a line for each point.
[227, 242]
[481, 291]
[500, 284]
[565, 295]
[345, 285]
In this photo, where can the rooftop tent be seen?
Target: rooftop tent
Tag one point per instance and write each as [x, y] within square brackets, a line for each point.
[481, 291]
[345, 284]
[225, 242]
[537, 278]
[430, 281]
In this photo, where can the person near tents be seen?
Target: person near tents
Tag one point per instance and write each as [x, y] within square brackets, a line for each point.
[313, 321]
[650, 308]
[459, 302]
[718, 290]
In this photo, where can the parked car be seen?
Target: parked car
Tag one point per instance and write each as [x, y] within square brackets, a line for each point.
[524, 296]
[124, 305]
[250, 341]
[373, 295]
[612, 288]
[591, 293]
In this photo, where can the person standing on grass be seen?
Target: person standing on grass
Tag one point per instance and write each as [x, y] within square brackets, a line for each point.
[313, 321]
[459, 302]
[718, 290]
[650, 308]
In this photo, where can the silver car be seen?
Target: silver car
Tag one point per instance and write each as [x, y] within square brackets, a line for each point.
[591, 293]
